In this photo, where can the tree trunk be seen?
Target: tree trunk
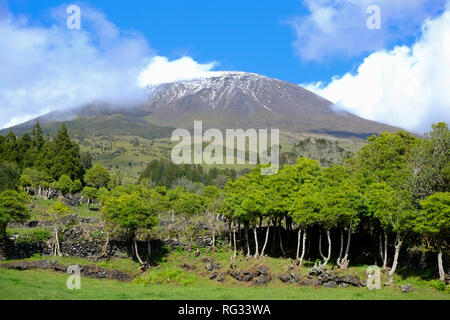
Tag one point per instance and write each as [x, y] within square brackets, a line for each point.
[298, 243]
[214, 240]
[265, 241]
[281, 240]
[320, 245]
[343, 263]
[398, 246]
[303, 248]
[385, 251]
[380, 248]
[234, 240]
[329, 249]
[231, 234]
[342, 245]
[255, 232]
[247, 243]
[136, 251]
[441, 266]
[57, 248]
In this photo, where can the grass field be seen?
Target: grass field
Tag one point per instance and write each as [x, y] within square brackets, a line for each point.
[45, 285]
[48, 285]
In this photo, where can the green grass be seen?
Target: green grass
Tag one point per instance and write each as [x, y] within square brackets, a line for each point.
[41, 207]
[46, 285]
[193, 284]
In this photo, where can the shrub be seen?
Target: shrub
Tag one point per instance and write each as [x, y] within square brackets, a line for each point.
[31, 235]
[166, 276]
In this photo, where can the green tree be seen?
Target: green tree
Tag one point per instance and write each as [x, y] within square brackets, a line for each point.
[431, 163]
[57, 210]
[63, 156]
[13, 208]
[76, 187]
[433, 222]
[393, 208]
[97, 177]
[131, 213]
[9, 175]
[64, 184]
[90, 194]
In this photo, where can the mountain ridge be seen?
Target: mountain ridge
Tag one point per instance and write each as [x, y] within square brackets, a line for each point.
[226, 100]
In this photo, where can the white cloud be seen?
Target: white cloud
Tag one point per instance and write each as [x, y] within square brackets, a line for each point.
[48, 68]
[339, 27]
[407, 86]
[161, 70]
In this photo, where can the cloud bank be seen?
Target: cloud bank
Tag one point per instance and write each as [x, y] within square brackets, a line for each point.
[338, 28]
[406, 86]
[49, 68]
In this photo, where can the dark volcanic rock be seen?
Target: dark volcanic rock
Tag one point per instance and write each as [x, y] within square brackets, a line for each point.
[330, 284]
[91, 271]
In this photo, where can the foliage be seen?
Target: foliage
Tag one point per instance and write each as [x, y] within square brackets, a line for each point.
[59, 209]
[13, 208]
[172, 276]
[97, 177]
[64, 184]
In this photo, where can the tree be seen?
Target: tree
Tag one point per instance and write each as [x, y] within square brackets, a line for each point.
[304, 211]
[342, 204]
[37, 139]
[394, 210]
[433, 222]
[431, 163]
[63, 156]
[76, 187]
[58, 209]
[97, 177]
[13, 208]
[64, 184]
[131, 213]
[212, 198]
[90, 194]
[9, 175]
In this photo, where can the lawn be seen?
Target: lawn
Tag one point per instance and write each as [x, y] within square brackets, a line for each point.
[193, 284]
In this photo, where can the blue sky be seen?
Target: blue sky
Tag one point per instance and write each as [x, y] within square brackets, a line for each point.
[320, 44]
[252, 36]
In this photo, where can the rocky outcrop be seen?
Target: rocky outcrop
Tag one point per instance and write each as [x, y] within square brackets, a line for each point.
[90, 271]
[321, 277]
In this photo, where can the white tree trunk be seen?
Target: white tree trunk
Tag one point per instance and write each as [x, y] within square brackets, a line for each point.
[265, 241]
[255, 233]
[234, 240]
[320, 246]
[303, 248]
[329, 249]
[136, 251]
[441, 266]
[246, 241]
[385, 251]
[398, 246]
[341, 251]
[298, 243]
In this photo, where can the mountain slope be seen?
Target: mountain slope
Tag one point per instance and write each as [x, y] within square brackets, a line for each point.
[245, 100]
[221, 100]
